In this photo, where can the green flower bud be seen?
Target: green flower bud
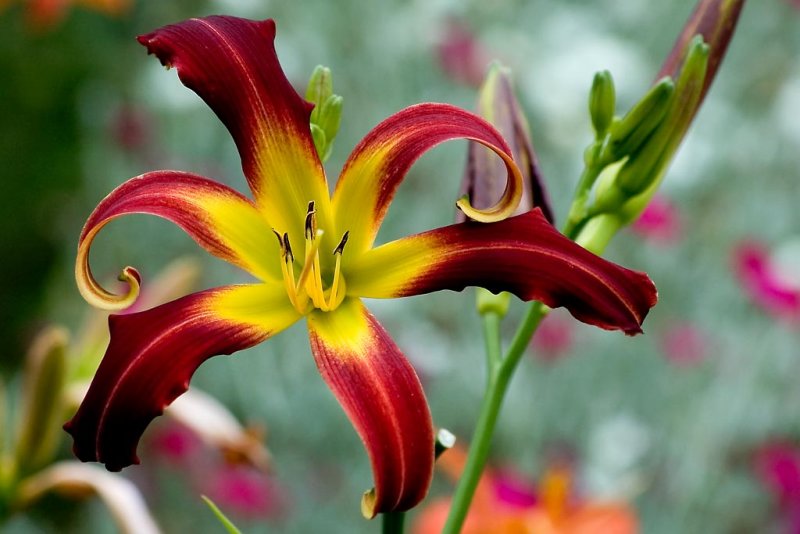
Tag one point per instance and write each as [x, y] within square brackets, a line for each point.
[488, 302]
[320, 87]
[330, 117]
[632, 131]
[608, 196]
[645, 166]
[327, 113]
[40, 425]
[602, 101]
[320, 141]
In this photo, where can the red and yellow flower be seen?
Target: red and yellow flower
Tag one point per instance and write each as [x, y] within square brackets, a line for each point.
[312, 255]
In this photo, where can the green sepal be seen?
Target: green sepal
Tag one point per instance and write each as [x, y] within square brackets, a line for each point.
[602, 102]
[630, 133]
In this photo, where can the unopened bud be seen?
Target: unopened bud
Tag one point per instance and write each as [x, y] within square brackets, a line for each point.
[488, 302]
[485, 176]
[644, 167]
[715, 21]
[632, 131]
[327, 113]
[602, 102]
[45, 372]
[320, 87]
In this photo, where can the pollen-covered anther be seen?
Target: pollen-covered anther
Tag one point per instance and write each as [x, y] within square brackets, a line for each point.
[287, 268]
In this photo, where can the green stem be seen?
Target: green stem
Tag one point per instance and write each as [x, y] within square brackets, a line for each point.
[491, 332]
[393, 522]
[500, 374]
[577, 211]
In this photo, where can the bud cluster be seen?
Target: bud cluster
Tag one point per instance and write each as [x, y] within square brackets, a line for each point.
[327, 113]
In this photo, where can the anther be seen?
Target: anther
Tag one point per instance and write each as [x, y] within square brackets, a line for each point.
[288, 256]
[311, 221]
[340, 247]
[280, 239]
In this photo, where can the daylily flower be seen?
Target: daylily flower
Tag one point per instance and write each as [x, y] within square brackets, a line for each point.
[322, 262]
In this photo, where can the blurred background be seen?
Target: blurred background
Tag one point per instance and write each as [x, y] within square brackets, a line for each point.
[695, 425]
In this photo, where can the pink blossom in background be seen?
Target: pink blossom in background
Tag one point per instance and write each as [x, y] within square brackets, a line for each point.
[514, 490]
[683, 344]
[460, 54]
[175, 444]
[554, 338]
[764, 283]
[240, 490]
[777, 466]
[245, 493]
[659, 222]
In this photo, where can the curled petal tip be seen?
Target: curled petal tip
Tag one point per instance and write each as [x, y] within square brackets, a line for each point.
[507, 204]
[97, 295]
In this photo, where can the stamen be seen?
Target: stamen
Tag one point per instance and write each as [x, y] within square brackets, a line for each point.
[307, 266]
[287, 248]
[337, 270]
[340, 247]
[280, 239]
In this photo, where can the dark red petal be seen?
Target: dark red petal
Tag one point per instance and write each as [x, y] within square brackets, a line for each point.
[231, 64]
[383, 398]
[524, 255]
[152, 356]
